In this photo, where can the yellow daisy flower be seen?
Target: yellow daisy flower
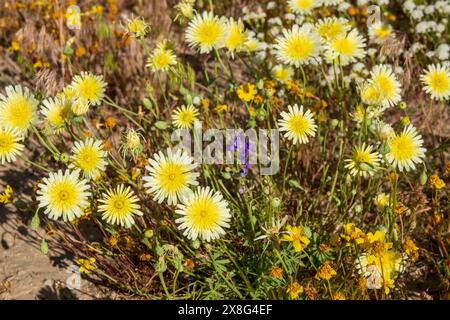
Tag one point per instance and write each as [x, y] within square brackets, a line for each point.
[246, 92]
[295, 290]
[207, 32]
[371, 94]
[332, 28]
[55, 112]
[170, 175]
[405, 149]
[63, 195]
[436, 80]
[88, 87]
[346, 48]
[282, 73]
[10, 145]
[236, 36]
[137, 27]
[299, 125]
[184, 117]
[379, 32]
[304, 6]
[325, 271]
[297, 236]
[162, 58]
[118, 206]
[18, 109]
[204, 214]
[364, 161]
[387, 85]
[86, 266]
[90, 157]
[298, 46]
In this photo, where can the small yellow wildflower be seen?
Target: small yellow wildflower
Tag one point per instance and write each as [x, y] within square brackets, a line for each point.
[110, 123]
[339, 296]
[137, 27]
[353, 234]
[205, 103]
[388, 284]
[276, 273]
[294, 290]
[400, 209]
[447, 169]
[381, 200]
[258, 99]
[113, 241]
[297, 236]
[411, 250]
[437, 218]
[15, 46]
[80, 51]
[436, 182]
[246, 92]
[393, 177]
[86, 265]
[185, 8]
[97, 9]
[220, 108]
[376, 242]
[7, 195]
[325, 271]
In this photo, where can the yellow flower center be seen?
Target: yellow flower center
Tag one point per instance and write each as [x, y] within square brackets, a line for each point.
[118, 204]
[382, 32]
[186, 117]
[298, 124]
[299, 47]
[138, 27]
[88, 158]
[235, 39]
[161, 60]
[344, 46]
[63, 195]
[6, 143]
[209, 33]
[203, 214]
[18, 113]
[57, 115]
[362, 157]
[439, 82]
[331, 30]
[89, 88]
[172, 177]
[304, 4]
[385, 85]
[402, 148]
[372, 95]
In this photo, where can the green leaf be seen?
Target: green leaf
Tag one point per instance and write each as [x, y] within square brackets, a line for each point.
[226, 175]
[68, 51]
[35, 222]
[147, 103]
[161, 125]
[307, 231]
[294, 184]
[44, 246]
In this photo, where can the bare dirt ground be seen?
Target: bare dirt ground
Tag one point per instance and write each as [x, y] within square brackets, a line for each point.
[25, 272]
